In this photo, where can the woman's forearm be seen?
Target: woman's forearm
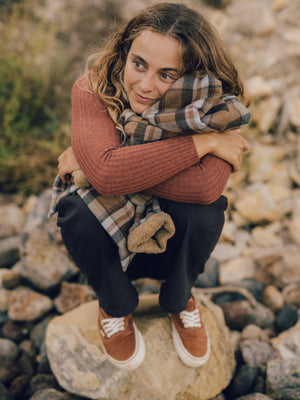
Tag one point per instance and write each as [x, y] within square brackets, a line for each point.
[202, 183]
[228, 145]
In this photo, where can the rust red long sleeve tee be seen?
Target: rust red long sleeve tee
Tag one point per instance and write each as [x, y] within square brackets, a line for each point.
[168, 168]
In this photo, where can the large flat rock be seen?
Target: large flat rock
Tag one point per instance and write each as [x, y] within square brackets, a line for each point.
[77, 359]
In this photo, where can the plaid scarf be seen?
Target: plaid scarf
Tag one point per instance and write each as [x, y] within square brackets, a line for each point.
[135, 222]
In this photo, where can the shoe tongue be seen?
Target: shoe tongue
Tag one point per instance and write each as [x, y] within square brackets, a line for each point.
[190, 305]
[105, 315]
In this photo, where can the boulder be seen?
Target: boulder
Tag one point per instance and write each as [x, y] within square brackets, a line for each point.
[12, 216]
[9, 251]
[283, 379]
[78, 362]
[288, 343]
[259, 203]
[26, 304]
[45, 263]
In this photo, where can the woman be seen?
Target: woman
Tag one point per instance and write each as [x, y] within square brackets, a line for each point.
[187, 173]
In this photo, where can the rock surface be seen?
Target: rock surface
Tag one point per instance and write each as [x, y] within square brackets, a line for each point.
[283, 379]
[80, 365]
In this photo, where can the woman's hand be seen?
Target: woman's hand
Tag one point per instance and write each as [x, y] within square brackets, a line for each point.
[229, 146]
[67, 164]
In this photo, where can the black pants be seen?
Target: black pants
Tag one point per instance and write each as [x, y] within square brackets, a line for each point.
[198, 228]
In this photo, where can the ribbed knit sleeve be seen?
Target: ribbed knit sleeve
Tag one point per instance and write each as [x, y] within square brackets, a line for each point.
[167, 166]
[202, 183]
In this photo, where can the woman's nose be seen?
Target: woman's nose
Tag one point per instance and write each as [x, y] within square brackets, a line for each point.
[146, 82]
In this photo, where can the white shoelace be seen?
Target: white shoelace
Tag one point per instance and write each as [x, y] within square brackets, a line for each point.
[190, 319]
[112, 325]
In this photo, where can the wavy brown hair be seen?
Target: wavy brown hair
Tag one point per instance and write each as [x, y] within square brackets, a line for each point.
[202, 50]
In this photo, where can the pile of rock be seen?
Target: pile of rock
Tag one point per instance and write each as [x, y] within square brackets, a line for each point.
[253, 277]
[251, 283]
[37, 282]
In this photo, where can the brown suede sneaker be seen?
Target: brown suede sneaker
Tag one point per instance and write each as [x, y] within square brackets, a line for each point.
[122, 341]
[190, 337]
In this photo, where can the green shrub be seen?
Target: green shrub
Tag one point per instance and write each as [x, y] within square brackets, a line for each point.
[34, 108]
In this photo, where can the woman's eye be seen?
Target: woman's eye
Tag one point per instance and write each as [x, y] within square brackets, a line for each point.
[138, 65]
[167, 77]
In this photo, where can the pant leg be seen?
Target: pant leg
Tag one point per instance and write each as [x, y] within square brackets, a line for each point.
[198, 231]
[198, 228]
[97, 256]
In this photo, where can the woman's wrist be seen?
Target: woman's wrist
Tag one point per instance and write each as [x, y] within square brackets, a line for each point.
[205, 143]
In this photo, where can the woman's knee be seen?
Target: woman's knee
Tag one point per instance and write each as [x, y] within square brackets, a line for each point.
[72, 211]
[203, 217]
[211, 216]
[79, 227]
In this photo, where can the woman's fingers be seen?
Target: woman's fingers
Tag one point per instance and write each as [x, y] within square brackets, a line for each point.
[237, 162]
[67, 164]
[245, 146]
[231, 147]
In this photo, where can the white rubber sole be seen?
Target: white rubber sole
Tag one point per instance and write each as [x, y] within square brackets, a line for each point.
[137, 357]
[187, 358]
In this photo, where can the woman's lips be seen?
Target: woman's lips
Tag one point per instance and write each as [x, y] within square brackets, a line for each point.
[142, 99]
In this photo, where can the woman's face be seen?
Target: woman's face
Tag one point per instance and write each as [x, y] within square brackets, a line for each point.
[153, 64]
